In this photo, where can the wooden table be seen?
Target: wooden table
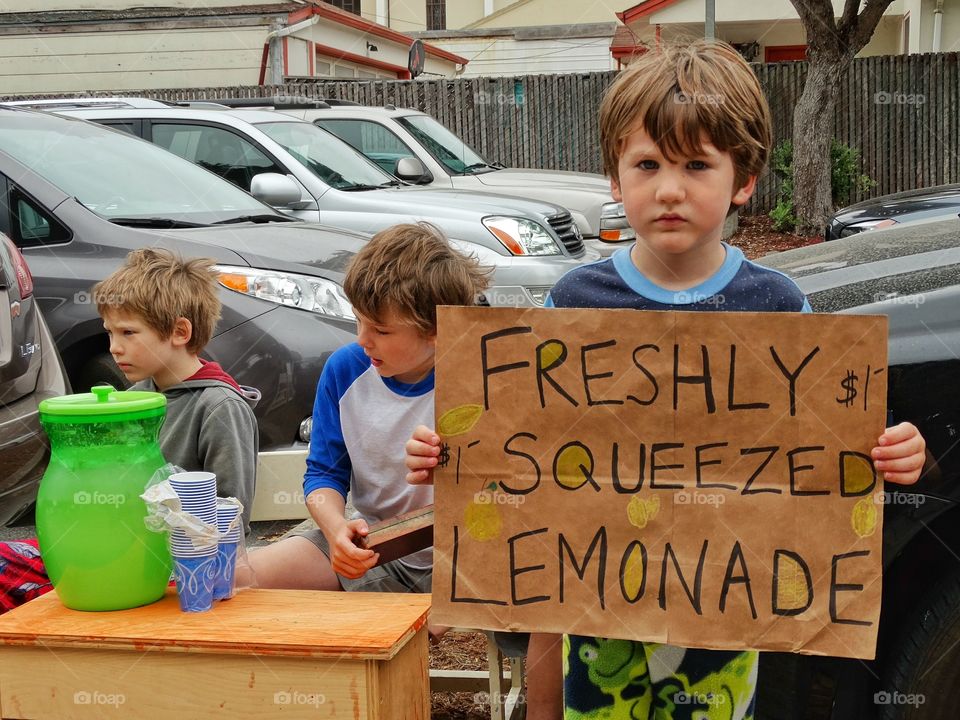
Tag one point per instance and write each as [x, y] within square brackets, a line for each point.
[263, 654]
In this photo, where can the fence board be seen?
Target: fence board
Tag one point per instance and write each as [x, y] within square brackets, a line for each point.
[902, 112]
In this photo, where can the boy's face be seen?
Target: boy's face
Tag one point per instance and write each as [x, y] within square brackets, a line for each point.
[676, 206]
[138, 349]
[396, 349]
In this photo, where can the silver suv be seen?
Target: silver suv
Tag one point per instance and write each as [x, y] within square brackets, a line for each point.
[393, 137]
[305, 171]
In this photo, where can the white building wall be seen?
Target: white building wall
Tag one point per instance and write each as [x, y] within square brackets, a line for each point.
[505, 56]
[130, 60]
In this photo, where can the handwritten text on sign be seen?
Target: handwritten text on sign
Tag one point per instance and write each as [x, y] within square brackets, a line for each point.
[698, 478]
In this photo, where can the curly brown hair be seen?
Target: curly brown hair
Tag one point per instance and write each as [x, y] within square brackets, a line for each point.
[683, 93]
[159, 287]
[410, 269]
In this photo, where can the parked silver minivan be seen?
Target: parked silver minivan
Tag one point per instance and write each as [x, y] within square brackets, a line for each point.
[305, 171]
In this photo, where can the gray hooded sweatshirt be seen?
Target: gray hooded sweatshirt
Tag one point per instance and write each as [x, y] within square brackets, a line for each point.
[210, 426]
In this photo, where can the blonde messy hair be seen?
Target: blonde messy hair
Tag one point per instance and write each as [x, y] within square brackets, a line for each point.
[159, 287]
[411, 269]
[681, 93]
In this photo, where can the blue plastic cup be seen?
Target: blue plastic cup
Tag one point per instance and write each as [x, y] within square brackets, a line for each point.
[195, 580]
[226, 568]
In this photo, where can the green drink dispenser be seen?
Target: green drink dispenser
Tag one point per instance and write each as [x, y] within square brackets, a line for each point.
[104, 449]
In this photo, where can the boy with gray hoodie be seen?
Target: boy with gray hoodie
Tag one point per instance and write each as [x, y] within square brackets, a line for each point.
[159, 312]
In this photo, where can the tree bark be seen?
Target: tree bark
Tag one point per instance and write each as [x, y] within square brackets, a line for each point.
[831, 48]
[812, 132]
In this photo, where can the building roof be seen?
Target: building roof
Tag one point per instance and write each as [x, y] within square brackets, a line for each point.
[329, 12]
[642, 9]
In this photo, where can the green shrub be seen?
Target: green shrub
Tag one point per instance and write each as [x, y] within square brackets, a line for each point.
[846, 180]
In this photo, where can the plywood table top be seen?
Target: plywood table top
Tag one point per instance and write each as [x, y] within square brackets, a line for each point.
[300, 623]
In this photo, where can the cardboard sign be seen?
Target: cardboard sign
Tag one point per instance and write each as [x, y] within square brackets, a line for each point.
[696, 478]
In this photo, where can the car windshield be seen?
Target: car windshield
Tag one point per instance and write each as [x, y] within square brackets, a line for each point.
[327, 156]
[449, 150]
[119, 176]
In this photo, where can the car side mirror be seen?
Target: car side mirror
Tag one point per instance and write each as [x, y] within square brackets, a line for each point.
[275, 190]
[412, 170]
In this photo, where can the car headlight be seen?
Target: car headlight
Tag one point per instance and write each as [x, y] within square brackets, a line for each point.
[613, 223]
[521, 237]
[305, 292]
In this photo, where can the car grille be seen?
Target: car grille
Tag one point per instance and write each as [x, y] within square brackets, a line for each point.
[568, 233]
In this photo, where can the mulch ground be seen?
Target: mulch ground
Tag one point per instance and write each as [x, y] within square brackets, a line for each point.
[757, 237]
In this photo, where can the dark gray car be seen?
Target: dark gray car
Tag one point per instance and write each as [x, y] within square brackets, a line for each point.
[30, 371]
[77, 197]
[911, 274]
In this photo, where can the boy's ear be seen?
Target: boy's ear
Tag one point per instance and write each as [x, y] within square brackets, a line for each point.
[741, 196]
[615, 190]
[182, 332]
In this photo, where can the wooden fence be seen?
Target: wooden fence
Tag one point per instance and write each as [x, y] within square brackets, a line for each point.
[901, 112]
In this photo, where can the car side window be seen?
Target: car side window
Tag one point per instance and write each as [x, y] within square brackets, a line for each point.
[31, 225]
[372, 139]
[223, 152]
[131, 127]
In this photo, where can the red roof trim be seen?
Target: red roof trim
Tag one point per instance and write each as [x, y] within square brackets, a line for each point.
[338, 54]
[343, 17]
[622, 52]
[642, 10]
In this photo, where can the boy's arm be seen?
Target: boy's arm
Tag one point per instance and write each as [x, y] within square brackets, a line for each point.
[228, 445]
[422, 451]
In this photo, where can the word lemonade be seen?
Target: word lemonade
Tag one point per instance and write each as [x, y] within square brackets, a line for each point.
[621, 431]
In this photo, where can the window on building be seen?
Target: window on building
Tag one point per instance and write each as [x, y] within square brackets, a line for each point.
[351, 6]
[436, 14]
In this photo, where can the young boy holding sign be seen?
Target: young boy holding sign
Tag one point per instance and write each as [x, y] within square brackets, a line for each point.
[685, 131]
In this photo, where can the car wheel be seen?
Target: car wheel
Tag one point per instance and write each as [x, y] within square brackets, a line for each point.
[100, 370]
[924, 666]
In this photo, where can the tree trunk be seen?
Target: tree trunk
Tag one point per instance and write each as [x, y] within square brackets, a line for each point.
[812, 132]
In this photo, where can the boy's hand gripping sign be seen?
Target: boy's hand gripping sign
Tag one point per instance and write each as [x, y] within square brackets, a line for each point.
[695, 478]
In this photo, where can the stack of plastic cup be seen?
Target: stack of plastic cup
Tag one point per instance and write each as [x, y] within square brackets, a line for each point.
[195, 559]
[230, 538]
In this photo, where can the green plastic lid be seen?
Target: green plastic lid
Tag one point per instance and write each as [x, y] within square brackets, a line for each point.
[103, 402]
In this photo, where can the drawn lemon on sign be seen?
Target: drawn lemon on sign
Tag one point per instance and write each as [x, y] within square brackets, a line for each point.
[858, 475]
[572, 466]
[551, 353]
[793, 590]
[864, 517]
[640, 512]
[482, 520]
[459, 420]
[634, 572]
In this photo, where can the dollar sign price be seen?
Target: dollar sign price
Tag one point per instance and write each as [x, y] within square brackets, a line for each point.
[444, 457]
[848, 388]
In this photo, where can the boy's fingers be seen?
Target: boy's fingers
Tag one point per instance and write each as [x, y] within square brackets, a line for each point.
[418, 448]
[899, 433]
[415, 462]
[419, 477]
[899, 465]
[902, 478]
[905, 448]
[425, 435]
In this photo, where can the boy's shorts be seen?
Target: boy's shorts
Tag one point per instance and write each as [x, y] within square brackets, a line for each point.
[393, 576]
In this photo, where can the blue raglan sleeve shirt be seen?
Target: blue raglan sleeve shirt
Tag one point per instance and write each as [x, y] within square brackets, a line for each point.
[328, 462]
